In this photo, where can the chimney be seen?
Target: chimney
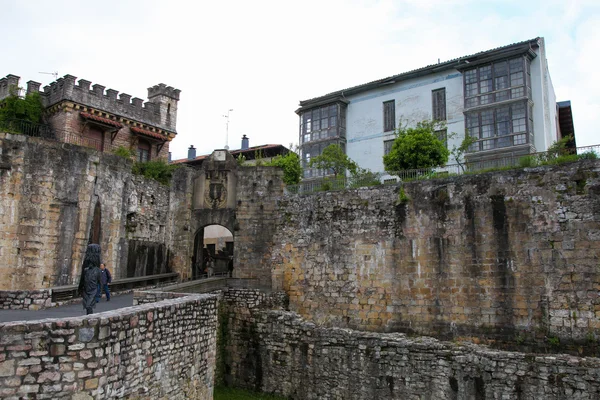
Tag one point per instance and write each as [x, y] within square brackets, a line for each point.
[245, 142]
[191, 153]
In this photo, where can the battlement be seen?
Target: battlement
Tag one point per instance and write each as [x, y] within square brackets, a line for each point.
[160, 110]
[163, 90]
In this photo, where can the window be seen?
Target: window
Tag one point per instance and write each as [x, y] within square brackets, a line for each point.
[499, 81]
[498, 127]
[442, 136]
[389, 115]
[438, 99]
[143, 151]
[387, 146]
[319, 123]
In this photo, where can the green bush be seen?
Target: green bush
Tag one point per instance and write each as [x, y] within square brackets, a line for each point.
[364, 177]
[159, 170]
[290, 163]
[416, 148]
[124, 152]
[590, 155]
[527, 162]
[567, 158]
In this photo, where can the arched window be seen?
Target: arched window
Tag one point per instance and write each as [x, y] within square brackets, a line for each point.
[143, 150]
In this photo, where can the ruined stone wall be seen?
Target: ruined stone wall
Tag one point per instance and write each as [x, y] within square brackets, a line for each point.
[238, 357]
[258, 190]
[159, 350]
[511, 255]
[48, 195]
[301, 360]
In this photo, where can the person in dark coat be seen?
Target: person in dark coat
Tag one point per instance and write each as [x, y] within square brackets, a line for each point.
[105, 279]
[90, 277]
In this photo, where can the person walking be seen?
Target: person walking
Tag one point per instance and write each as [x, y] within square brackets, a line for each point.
[90, 277]
[105, 280]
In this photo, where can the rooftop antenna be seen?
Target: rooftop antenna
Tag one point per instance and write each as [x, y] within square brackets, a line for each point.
[54, 74]
[227, 129]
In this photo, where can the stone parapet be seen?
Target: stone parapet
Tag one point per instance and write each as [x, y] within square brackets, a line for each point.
[146, 351]
[25, 299]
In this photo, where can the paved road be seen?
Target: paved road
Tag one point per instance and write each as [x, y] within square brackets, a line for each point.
[71, 310]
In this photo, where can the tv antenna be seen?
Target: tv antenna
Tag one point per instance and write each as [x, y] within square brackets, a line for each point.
[54, 74]
[227, 129]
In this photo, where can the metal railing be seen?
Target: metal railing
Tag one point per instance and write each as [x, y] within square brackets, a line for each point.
[45, 131]
[552, 157]
[27, 128]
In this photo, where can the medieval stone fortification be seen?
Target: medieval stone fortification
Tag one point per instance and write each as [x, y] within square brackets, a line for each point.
[508, 259]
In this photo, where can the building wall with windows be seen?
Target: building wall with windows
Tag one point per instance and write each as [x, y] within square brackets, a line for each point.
[412, 102]
[503, 97]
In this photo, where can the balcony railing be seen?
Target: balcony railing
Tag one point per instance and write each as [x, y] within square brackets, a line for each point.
[26, 128]
[332, 183]
[47, 132]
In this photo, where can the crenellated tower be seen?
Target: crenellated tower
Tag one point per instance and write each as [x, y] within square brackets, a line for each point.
[166, 99]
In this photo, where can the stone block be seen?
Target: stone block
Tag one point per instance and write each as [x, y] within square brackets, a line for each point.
[7, 368]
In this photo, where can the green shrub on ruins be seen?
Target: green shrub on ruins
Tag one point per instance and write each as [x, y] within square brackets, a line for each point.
[124, 152]
[159, 170]
[528, 162]
[290, 163]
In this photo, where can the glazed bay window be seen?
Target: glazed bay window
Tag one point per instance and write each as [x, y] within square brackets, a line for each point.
[499, 127]
[319, 123]
[496, 82]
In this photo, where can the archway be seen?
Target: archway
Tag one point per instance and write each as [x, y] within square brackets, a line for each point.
[213, 252]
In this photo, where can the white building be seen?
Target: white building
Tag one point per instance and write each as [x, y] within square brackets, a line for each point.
[503, 97]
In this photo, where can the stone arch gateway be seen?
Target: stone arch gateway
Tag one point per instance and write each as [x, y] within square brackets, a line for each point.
[241, 199]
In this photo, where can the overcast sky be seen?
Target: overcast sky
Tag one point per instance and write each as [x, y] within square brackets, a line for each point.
[260, 58]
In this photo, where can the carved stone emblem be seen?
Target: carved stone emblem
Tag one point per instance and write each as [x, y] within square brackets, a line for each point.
[216, 195]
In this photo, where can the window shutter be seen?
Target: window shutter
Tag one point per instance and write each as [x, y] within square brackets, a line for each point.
[389, 116]
[439, 104]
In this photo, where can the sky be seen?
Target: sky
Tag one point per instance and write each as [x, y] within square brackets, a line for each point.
[260, 58]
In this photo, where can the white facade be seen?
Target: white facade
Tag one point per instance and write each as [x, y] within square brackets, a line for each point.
[413, 99]
[524, 87]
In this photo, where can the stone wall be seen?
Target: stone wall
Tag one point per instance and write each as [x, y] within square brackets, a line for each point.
[25, 299]
[258, 191]
[510, 255]
[301, 360]
[238, 359]
[159, 350]
[145, 297]
[49, 192]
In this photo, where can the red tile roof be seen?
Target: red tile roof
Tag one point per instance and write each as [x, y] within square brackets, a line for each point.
[145, 132]
[103, 120]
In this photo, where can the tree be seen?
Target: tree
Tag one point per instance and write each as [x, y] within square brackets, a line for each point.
[458, 151]
[334, 159]
[416, 148]
[292, 170]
